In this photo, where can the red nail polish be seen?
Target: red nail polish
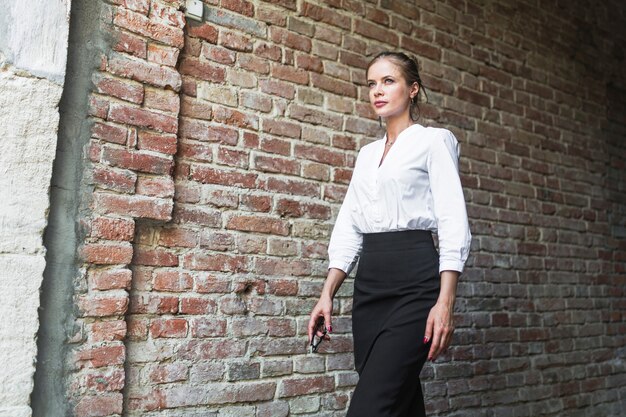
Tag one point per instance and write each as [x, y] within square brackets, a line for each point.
[425, 340]
[330, 329]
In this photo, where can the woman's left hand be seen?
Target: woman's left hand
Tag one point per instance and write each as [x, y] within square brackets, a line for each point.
[440, 323]
[439, 328]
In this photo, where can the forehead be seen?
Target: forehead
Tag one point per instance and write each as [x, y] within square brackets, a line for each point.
[382, 68]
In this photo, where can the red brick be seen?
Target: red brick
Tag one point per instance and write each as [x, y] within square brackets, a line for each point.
[333, 85]
[177, 237]
[115, 179]
[135, 206]
[289, 73]
[265, 50]
[107, 331]
[235, 118]
[164, 100]
[290, 39]
[96, 357]
[290, 267]
[236, 42]
[197, 216]
[206, 284]
[295, 187]
[315, 171]
[243, 7]
[287, 207]
[202, 70]
[143, 118]
[167, 15]
[99, 406]
[320, 154]
[155, 186]
[198, 306]
[112, 380]
[335, 193]
[169, 327]
[276, 146]
[104, 305]
[208, 175]
[154, 257]
[137, 161]
[344, 142]
[241, 392]
[203, 31]
[215, 262]
[107, 253]
[110, 279]
[113, 229]
[173, 281]
[98, 107]
[218, 54]
[325, 15]
[314, 116]
[281, 128]
[169, 372]
[232, 157]
[162, 143]
[282, 287]
[197, 109]
[203, 327]
[273, 164]
[120, 88]
[110, 133]
[279, 88]
[130, 44]
[258, 224]
[144, 71]
[261, 203]
[255, 64]
[141, 25]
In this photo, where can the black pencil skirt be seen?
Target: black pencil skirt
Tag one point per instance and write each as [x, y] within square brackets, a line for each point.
[396, 285]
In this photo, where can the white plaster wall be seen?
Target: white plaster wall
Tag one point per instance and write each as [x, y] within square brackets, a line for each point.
[33, 51]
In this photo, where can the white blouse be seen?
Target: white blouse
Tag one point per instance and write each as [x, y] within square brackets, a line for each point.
[416, 187]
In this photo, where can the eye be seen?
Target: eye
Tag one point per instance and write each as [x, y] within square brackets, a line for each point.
[371, 84]
[389, 81]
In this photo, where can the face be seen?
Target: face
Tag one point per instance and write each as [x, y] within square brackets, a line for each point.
[389, 93]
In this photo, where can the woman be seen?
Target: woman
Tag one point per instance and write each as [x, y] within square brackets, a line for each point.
[404, 187]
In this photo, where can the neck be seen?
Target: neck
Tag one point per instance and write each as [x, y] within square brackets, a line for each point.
[396, 125]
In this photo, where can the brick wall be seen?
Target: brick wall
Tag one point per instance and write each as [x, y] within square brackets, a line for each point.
[221, 150]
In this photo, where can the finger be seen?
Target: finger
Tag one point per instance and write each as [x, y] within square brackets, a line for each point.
[429, 330]
[446, 334]
[327, 321]
[311, 326]
[434, 347]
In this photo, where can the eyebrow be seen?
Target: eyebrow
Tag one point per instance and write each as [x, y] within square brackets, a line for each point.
[384, 76]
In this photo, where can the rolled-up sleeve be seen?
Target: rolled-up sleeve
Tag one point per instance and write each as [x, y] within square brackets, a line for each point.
[449, 204]
[345, 241]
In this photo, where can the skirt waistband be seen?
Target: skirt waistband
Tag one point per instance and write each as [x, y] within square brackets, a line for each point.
[396, 239]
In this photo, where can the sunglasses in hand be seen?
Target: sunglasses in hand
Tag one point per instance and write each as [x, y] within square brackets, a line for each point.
[317, 340]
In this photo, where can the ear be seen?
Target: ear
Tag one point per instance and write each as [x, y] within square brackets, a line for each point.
[415, 88]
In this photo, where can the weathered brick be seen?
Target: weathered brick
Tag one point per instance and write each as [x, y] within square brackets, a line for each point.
[135, 206]
[144, 71]
[142, 25]
[143, 118]
[107, 253]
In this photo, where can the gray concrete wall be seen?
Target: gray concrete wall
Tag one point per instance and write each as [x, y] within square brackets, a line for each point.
[33, 50]
[57, 325]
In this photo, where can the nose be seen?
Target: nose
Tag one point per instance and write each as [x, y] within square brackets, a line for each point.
[377, 90]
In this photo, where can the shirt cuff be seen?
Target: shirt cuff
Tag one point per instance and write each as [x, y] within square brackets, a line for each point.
[451, 265]
[345, 266]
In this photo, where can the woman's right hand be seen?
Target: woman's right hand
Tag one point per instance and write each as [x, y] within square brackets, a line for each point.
[322, 310]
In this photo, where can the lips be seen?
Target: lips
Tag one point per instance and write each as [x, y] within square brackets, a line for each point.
[379, 103]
